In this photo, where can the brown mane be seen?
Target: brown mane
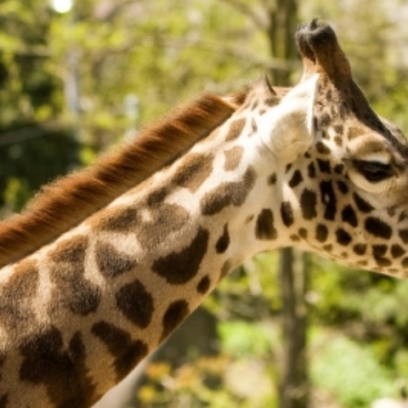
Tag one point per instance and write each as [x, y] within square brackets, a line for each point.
[68, 201]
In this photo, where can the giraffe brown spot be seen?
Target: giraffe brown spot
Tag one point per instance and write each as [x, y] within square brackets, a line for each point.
[70, 250]
[272, 179]
[397, 251]
[2, 360]
[77, 353]
[349, 216]
[223, 242]
[174, 315]
[321, 232]
[287, 213]
[288, 167]
[354, 132]
[362, 263]
[164, 220]
[126, 351]
[204, 285]
[112, 262]
[136, 303]
[44, 361]
[233, 157]
[362, 205]
[4, 400]
[228, 193]
[296, 179]
[343, 187]
[311, 170]
[328, 248]
[225, 268]
[328, 199]
[254, 126]
[338, 140]
[118, 219]
[157, 197]
[303, 233]
[324, 166]
[72, 290]
[295, 238]
[383, 262]
[325, 120]
[264, 228]
[403, 235]
[343, 237]
[339, 129]
[322, 148]
[402, 217]
[307, 155]
[404, 262]
[308, 201]
[315, 123]
[194, 170]
[378, 228]
[339, 168]
[360, 249]
[379, 250]
[273, 101]
[17, 295]
[235, 129]
[180, 267]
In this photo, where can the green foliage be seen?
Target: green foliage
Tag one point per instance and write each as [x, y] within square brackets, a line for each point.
[242, 339]
[349, 372]
[51, 155]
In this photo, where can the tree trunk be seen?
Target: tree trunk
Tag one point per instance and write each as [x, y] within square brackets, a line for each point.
[294, 385]
[283, 21]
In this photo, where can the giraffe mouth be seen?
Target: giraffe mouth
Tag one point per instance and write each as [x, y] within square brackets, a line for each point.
[321, 53]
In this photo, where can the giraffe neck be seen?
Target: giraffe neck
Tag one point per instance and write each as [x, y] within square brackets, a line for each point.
[109, 291]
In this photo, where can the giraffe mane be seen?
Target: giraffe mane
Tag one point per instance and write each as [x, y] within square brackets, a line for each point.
[69, 200]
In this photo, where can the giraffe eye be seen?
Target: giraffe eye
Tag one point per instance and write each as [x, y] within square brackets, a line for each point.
[374, 171]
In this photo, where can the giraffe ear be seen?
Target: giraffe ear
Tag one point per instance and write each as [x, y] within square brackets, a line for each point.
[288, 128]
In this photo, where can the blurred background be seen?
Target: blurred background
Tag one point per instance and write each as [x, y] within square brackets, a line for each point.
[284, 330]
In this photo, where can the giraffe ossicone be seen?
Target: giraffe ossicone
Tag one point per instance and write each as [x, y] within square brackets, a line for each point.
[106, 263]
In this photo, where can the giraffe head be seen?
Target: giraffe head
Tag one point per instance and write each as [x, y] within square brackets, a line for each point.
[342, 171]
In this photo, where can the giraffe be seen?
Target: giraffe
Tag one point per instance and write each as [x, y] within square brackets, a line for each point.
[107, 262]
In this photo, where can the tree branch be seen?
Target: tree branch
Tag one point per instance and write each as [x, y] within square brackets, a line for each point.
[248, 11]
